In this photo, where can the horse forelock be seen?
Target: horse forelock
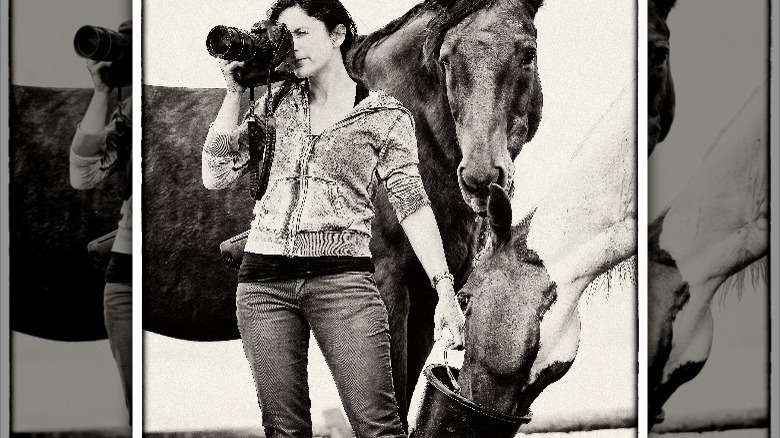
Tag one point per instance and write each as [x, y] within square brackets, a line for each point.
[453, 13]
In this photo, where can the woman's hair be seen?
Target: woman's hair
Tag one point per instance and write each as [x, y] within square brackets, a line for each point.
[330, 12]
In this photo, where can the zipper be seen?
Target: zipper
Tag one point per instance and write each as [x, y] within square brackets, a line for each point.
[304, 159]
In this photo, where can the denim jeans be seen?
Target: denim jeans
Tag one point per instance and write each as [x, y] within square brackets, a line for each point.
[349, 322]
[118, 315]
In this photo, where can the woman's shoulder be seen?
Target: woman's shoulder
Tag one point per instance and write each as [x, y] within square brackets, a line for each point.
[380, 98]
[385, 105]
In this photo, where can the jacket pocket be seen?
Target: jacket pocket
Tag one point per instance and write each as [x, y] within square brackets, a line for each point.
[323, 208]
[273, 209]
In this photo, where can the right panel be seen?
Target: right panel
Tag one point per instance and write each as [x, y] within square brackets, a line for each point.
[708, 138]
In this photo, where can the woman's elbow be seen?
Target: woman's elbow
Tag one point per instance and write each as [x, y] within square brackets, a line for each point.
[79, 183]
[211, 183]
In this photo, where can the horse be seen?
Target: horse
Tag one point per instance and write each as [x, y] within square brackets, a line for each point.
[522, 320]
[717, 228]
[660, 86]
[50, 222]
[477, 55]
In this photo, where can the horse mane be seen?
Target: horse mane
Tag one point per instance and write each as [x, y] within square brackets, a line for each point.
[450, 13]
[757, 273]
[453, 13]
[357, 57]
[624, 272]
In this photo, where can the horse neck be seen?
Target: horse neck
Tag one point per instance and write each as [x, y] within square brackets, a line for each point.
[586, 222]
[718, 224]
[395, 65]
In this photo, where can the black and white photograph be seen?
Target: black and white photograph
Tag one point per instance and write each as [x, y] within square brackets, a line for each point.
[70, 218]
[708, 191]
[437, 233]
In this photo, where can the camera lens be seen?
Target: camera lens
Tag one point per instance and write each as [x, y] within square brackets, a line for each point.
[100, 44]
[230, 43]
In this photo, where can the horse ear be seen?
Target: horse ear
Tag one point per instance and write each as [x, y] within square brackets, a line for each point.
[500, 214]
[663, 7]
[534, 5]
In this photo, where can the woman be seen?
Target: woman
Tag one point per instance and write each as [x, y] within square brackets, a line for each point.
[307, 263]
[93, 159]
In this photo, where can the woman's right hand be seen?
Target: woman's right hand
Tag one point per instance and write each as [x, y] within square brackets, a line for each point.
[228, 71]
[95, 69]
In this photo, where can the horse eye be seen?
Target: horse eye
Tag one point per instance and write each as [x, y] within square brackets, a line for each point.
[528, 57]
[445, 62]
[659, 55]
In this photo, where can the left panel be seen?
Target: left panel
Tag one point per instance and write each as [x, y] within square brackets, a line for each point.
[69, 189]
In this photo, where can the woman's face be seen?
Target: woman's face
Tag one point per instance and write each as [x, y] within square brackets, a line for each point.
[314, 46]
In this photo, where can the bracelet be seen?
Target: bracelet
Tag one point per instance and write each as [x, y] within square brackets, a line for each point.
[441, 276]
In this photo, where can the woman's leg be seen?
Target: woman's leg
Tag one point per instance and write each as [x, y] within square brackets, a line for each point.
[118, 317]
[276, 343]
[349, 321]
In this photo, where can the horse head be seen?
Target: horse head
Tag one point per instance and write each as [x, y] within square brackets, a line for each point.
[715, 228]
[522, 317]
[503, 317]
[476, 88]
[487, 62]
[660, 91]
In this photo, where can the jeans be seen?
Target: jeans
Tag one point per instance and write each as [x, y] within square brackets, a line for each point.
[349, 322]
[118, 315]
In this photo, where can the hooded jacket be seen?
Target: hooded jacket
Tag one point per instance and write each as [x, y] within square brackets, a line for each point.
[319, 200]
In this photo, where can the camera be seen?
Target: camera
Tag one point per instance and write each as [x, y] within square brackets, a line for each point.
[101, 44]
[266, 49]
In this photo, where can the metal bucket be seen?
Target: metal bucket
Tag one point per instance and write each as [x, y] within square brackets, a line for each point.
[446, 414]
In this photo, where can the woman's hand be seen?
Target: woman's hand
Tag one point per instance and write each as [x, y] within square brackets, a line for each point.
[228, 70]
[448, 315]
[96, 69]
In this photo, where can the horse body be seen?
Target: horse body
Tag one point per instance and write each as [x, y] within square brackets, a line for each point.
[716, 227]
[522, 326]
[56, 291]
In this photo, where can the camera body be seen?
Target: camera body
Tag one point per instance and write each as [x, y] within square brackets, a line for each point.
[267, 49]
[102, 44]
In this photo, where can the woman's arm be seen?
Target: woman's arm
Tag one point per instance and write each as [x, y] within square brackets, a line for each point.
[90, 162]
[223, 160]
[398, 168]
[423, 233]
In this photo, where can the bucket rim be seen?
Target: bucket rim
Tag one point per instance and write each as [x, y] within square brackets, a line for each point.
[480, 409]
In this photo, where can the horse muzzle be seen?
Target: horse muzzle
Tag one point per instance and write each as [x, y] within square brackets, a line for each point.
[444, 413]
[475, 186]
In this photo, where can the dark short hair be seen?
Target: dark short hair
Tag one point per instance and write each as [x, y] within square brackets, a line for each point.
[330, 12]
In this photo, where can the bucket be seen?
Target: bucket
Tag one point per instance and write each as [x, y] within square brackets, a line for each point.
[445, 414]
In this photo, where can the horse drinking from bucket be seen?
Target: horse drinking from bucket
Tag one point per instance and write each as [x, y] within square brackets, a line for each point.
[473, 88]
[522, 322]
[717, 226]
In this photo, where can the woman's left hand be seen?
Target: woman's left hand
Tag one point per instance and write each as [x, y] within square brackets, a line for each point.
[448, 315]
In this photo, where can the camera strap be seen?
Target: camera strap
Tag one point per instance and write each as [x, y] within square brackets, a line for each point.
[262, 140]
[122, 140]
